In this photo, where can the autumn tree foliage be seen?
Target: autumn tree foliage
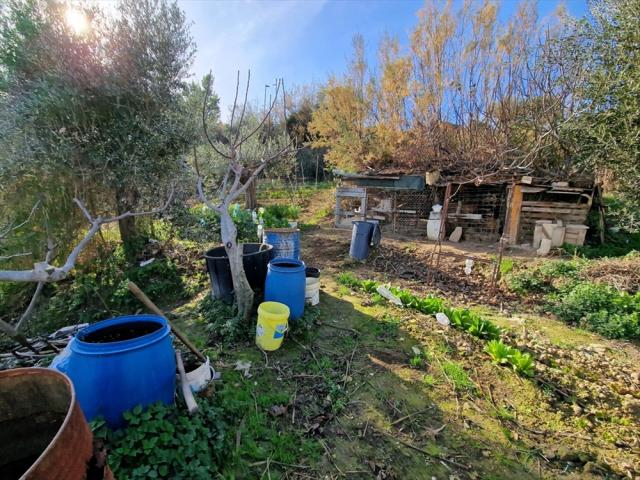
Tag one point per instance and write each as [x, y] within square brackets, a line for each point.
[469, 94]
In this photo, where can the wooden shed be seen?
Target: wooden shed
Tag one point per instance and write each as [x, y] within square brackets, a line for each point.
[484, 210]
[558, 203]
[400, 203]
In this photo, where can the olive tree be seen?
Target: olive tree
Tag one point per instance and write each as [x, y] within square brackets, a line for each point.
[98, 113]
[246, 149]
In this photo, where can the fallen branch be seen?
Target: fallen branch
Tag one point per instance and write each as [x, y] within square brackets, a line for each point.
[406, 417]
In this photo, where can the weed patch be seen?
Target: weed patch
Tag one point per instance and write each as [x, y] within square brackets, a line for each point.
[454, 372]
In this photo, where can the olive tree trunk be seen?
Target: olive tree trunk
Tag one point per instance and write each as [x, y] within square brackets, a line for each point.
[126, 198]
[251, 195]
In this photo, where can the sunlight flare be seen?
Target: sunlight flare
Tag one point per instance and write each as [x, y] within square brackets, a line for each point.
[77, 21]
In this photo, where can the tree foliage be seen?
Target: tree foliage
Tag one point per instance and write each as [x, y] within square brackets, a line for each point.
[470, 95]
[98, 114]
[608, 128]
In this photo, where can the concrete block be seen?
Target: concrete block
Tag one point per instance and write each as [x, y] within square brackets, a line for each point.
[547, 230]
[557, 237]
[456, 235]
[545, 247]
[537, 236]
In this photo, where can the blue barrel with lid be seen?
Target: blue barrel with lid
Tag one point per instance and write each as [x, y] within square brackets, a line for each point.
[285, 241]
[286, 282]
[120, 363]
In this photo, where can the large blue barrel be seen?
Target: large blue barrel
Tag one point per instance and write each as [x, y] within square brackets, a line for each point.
[286, 281]
[119, 363]
[285, 241]
[360, 240]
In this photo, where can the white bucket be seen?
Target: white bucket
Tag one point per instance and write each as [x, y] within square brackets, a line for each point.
[312, 291]
[199, 378]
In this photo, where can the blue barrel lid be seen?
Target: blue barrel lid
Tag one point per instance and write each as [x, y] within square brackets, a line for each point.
[286, 265]
[79, 345]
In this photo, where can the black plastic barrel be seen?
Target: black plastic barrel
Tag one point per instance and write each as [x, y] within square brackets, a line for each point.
[360, 240]
[255, 258]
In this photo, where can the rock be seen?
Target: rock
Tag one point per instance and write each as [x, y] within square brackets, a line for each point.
[631, 406]
[566, 454]
[456, 235]
[593, 470]
[577, 409]
[635, 376]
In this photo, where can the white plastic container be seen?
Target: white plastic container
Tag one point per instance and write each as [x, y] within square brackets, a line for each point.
[312, 291]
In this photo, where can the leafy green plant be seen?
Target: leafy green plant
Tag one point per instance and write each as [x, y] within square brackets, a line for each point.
[499, 352]
[483, 328]
[522, 363]
[164, 442]
[418, 358]
[369, 286]
[503, 354]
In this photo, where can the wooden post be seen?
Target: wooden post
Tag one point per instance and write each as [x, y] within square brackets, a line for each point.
[445, 209]
[513, 214]
[338, 213]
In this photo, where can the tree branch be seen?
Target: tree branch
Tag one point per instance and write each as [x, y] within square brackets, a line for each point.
[47, 273]
[204, 118]
[12, 228]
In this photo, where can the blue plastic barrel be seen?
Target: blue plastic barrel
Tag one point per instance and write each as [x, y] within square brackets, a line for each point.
[285, 241]
[360, 239]
[286, 281]
[119, 363]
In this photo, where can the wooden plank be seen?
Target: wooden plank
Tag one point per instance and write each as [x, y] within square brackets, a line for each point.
[529, 203]
[528, 189]
[514, 214]
[555, 211]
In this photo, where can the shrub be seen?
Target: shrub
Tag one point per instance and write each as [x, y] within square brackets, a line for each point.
[584, 298]
[220, 321]
[545, 277]
[201, 224]
[599, 308]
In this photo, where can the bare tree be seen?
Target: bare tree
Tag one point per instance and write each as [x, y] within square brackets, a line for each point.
[240, 172]
[44, 272]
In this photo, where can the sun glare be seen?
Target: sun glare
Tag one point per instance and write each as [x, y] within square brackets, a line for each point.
[77, 21]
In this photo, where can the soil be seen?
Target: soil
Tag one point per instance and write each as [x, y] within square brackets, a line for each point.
[118, 333]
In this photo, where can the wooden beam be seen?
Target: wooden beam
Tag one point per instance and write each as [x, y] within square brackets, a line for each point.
[514, 214]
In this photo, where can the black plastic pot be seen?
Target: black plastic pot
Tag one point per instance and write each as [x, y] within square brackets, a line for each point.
[255, 258]
[312, 272]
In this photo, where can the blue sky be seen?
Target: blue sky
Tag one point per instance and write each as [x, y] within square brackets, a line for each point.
[303, 41]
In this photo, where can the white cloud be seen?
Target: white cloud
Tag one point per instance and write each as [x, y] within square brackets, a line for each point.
[256, 35]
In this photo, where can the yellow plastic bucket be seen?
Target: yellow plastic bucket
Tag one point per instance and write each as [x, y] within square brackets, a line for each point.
[273, 322]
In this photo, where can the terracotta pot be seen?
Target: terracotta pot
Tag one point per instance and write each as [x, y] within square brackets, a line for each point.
[43, 432]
